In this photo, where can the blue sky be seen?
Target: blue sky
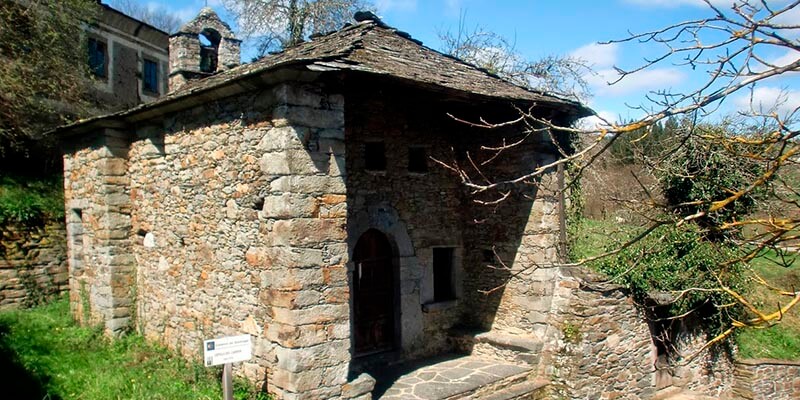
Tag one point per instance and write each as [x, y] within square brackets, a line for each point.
[569, 27]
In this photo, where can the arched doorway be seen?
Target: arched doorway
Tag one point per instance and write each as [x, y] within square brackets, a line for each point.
[373, 294]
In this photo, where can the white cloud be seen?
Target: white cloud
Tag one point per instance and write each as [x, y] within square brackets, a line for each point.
[452, 6]
[597, 55]
[596, 121]
[769, 99]
[789, 57]
[639, 82]
[603, 57]
[790, 17]
[395, 5]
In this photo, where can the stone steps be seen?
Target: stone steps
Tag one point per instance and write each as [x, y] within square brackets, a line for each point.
[533, 390]
[509, 347]
[519, 386]
[465, 377]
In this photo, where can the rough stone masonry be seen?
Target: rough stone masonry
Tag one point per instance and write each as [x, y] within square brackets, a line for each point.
[311, 200]
[306, 205]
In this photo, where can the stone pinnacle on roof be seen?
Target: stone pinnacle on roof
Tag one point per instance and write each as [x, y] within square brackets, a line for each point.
[361, 16]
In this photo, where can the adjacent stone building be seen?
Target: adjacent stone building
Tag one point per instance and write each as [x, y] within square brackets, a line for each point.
[128, 60]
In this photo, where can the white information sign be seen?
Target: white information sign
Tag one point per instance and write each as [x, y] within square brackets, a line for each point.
[226, 350]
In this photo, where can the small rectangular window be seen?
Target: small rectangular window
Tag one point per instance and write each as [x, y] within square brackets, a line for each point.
[417, 160]
[374, 156]
[443, 274]
[488, 256]
[98, 55]
[150, 78]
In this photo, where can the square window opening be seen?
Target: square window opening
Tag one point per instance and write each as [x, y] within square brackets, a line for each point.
[374, 156]
[98, 56]
[150, 76]
[443, 274]
[488, 256]
[417, 160]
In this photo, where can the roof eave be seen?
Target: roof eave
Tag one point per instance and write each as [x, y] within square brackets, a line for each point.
[261, 77]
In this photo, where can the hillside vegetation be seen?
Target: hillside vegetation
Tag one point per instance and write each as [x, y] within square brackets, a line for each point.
[619, 190]
[44, 355]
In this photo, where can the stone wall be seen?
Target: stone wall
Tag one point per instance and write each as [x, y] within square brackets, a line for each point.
[418, 211]
[33, 266]
[603, 348]
[767, 379]
[711, 372]
[599, 345]
[235, 226]
[510, 280]
[97, 196]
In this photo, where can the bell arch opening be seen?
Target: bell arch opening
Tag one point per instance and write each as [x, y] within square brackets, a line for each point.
[209, 50]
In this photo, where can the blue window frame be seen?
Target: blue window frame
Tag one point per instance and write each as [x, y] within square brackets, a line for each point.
[98, 54]
[150, 80]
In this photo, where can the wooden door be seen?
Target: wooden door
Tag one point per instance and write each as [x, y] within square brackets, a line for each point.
[373, 301]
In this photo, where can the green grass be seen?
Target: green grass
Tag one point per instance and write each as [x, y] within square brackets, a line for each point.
[593, 237]
[781, 341]
[44, 355]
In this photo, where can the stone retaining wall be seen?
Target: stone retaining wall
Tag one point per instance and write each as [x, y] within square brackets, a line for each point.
[33, 264]
[710, 373]
[602, 347]
[767, 379]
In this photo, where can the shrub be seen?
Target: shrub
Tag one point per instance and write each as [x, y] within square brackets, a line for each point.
[710, 167]
[673, 259]
[29, 201]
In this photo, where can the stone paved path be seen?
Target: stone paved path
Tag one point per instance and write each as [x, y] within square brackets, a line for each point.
[441, 378]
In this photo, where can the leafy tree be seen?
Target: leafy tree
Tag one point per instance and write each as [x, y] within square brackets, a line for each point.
[43, 74]
[707, 166]
[645, 143]
[676, 271]
[690, 253]
[275, 24]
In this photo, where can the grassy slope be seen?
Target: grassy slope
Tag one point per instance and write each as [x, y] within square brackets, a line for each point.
[781, 341]
[43, 355]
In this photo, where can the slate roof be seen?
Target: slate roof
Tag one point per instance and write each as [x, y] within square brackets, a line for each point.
[373, 47]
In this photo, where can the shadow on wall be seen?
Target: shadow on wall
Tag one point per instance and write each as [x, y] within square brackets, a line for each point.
[422, 212]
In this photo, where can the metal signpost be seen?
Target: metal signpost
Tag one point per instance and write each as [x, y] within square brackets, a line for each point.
[227, 350]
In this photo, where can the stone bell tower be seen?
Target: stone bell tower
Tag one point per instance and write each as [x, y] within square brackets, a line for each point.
[200, 48]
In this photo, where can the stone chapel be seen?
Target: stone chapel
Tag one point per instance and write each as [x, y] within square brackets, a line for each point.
[303, 199]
